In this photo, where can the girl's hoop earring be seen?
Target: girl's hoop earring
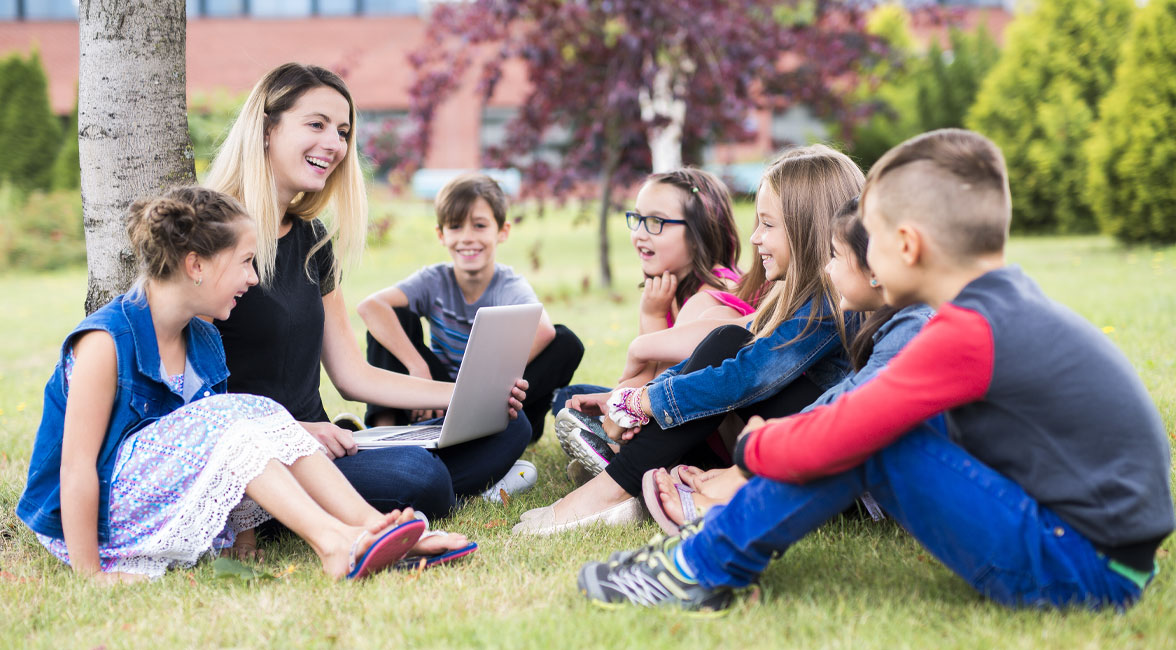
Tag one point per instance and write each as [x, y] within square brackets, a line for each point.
[198, 281]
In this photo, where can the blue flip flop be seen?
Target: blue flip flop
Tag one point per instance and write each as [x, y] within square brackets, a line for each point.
[411, 563]
[385, 551]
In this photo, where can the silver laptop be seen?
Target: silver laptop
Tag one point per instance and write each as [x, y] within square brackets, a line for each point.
[494, 359]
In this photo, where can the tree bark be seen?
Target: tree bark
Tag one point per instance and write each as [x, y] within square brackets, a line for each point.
[605, 208]
[665, 101]
[132, 125]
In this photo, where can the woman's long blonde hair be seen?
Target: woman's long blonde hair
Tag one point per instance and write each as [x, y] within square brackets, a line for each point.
[241, 169]
[810, 184]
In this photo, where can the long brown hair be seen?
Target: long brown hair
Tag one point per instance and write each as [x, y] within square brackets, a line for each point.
[711, 235]
[809, 184]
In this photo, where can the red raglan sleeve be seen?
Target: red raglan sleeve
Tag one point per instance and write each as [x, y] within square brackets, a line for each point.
[948, 364]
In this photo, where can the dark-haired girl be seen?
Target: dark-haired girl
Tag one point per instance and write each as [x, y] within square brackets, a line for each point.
[142, 462]
[886, 331]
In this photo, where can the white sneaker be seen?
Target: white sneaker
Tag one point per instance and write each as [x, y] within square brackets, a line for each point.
[521, 477]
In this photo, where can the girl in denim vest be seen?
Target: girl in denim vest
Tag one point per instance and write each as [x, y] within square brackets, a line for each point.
[772, 364]
[141, 462]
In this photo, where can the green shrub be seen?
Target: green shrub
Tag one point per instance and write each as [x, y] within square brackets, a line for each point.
[210, 114]
[1039, 103]
[40, 231]
[933, 90]
[67, 169]
[1132, 149]
[30, 133]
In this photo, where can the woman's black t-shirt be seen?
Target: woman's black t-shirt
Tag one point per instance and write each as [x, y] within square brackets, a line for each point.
[274, 336]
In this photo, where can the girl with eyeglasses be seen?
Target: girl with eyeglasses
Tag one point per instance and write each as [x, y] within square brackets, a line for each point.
[683, 230]
[771, 364]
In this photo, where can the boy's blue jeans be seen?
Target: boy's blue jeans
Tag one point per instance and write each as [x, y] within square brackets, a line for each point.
[983, 526]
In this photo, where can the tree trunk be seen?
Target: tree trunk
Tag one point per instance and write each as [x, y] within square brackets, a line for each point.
[610, 169]
[132, 125]
[665, 102]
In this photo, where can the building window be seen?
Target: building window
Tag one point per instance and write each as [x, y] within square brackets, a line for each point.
[279, 8]
[47, 9]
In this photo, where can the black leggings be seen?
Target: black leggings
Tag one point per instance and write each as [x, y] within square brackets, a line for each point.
[549, 370]
[656, 447]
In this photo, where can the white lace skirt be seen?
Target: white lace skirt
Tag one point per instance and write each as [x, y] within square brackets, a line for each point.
[178, 489]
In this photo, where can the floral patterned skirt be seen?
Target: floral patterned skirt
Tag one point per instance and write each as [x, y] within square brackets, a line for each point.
[178, 489]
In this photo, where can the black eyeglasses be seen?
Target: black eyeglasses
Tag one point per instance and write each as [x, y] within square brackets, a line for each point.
[653, 225]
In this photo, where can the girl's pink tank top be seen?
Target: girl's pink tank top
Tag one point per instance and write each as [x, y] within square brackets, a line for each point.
[725, 297]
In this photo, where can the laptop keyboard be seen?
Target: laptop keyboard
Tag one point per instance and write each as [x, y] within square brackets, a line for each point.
[424, 433]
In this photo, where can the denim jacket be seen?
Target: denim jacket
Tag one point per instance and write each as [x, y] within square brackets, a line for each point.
[140, 398]
[758, 371]
[892, 337]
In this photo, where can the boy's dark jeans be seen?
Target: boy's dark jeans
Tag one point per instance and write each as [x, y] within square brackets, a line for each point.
[549, 370]
[981, 525]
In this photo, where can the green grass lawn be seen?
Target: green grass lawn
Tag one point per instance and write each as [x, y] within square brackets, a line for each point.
[850, 584]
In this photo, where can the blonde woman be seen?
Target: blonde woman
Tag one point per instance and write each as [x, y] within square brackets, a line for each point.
[290, 158]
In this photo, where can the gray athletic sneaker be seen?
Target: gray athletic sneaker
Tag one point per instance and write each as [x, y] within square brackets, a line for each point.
[583, 439]
[648, 578]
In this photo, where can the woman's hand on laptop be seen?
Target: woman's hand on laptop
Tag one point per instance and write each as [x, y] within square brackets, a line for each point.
[517, 395]
[336, 442]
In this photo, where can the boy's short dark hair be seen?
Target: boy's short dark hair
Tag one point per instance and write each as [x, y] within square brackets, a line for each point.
[457, 198]
[951, 181]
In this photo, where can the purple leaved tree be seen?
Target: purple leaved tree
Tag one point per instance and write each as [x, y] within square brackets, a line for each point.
[628, 81]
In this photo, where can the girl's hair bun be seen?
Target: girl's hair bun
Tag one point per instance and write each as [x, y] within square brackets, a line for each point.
[164, 229]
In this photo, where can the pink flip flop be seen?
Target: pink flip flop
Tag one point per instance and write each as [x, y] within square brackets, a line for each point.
[653, 503]
[413, 562]
[385, 551]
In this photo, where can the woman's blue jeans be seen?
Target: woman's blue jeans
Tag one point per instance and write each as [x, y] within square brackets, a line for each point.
[433, 481]
[981, 525]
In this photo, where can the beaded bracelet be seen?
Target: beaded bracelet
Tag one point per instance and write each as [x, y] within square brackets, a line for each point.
[624, 407]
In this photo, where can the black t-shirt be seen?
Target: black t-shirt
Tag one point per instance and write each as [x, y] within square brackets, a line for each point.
[274, 336]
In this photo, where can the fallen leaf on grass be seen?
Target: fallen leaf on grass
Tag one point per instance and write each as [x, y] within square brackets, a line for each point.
[1163, 552]
[191, 578]
[505, 497]
[224, 567]
[9, 577]
[420, 568]
[494, 523]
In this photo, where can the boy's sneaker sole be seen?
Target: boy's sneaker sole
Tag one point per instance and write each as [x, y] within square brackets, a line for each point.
[583, 439]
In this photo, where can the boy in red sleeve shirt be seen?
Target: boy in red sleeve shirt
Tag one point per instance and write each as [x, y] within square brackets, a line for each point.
[1010, 437]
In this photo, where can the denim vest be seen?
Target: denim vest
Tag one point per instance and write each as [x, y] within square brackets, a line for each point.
[759, 371]
[141, 398]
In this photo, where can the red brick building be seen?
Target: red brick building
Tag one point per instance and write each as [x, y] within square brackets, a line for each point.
[232, 43]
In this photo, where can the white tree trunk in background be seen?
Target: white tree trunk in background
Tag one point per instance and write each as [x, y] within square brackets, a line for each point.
[132, 125]
[665, 101]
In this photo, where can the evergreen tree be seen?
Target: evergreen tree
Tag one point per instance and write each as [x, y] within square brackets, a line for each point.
[1132, 150]
[929, 91]
[1039, 103]
[67, 169]
[30, 133]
